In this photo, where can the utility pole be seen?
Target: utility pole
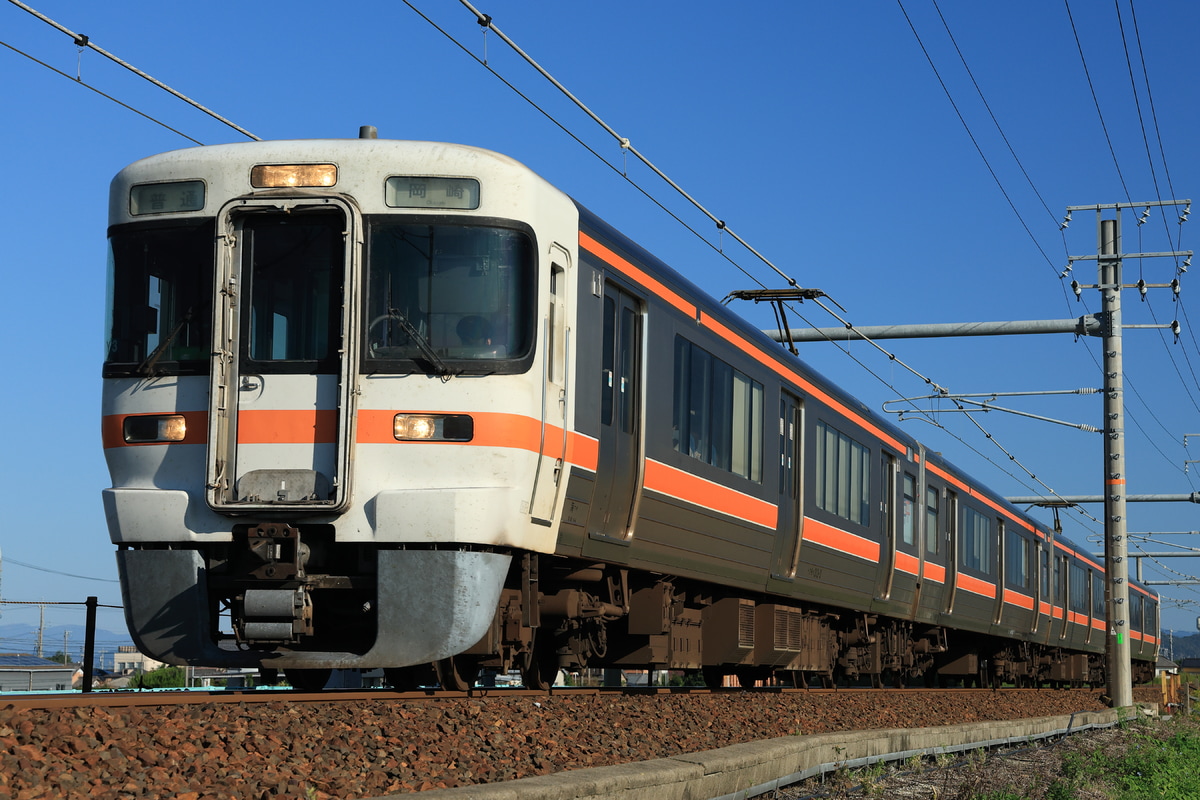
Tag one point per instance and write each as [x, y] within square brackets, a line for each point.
[1116, 543]
[1116, 473]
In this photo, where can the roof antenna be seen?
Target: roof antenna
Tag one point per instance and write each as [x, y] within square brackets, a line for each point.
[368, 132]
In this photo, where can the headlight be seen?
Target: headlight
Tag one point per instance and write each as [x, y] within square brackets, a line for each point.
[434, 427]
[155, 428]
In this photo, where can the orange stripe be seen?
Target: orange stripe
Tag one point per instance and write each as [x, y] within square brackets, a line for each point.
[976, 586]
[838, 539]
[492, 429]
[1046, 609]
[1018, 599]
[689, 488]
[907, 563]
[653, 285]
[307, 426]
[583, 450]
[112, 429]
[935, 572]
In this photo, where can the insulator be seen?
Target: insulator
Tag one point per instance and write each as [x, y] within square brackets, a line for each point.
[1075, 288]
[1141, 287]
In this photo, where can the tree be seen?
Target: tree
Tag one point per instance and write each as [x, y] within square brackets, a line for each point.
[161, 678]
[61, 657]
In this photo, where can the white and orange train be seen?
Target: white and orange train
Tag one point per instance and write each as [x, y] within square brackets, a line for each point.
[376, 403]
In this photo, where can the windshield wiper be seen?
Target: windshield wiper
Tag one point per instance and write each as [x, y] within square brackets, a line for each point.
[439, 366]
[147, 367]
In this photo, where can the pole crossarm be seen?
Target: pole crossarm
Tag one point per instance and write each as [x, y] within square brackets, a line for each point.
[1088, 325]
[1074, 500]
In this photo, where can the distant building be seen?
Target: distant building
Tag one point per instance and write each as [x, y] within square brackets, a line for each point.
[1189, 666]
[20, 672]
[128, 661]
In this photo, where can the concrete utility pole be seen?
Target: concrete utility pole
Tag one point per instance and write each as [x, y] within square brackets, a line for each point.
[1116, 543]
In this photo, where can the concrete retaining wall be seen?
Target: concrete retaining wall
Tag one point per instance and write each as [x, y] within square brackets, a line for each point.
[745, 770]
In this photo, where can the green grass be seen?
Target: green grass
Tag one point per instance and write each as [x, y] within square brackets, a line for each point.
[1153, 762]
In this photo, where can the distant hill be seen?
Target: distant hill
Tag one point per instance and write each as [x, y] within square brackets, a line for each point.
[1181, 645]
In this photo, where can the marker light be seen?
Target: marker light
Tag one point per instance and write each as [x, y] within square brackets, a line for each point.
[434, 427]
[155, 428]
[275, 176]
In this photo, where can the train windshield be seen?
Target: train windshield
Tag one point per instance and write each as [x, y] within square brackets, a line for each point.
[448, 299]
[160, 282]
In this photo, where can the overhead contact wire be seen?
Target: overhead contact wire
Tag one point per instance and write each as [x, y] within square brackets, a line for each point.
[83, 41]
[485, 21]
[86, 85]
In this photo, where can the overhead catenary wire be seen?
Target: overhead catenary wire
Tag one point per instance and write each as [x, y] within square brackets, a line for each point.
[106, 96]
[711, 216]
[83, 41]
[971, 135]
[487, 24]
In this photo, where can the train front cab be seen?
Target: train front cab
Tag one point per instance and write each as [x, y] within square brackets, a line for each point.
[331, 410]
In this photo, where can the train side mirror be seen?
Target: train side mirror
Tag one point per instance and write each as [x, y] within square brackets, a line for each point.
[1198, 623]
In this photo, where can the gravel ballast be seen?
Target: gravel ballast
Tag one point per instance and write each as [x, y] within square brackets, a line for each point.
[368, 748]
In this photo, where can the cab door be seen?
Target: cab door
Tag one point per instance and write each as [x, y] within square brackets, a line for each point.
[282, 385]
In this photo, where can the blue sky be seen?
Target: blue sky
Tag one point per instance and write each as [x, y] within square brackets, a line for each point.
[818, 131]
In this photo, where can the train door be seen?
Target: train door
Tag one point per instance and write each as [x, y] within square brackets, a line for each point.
[952, 524]
[282, 385]
[619, 465]
[555, 347]
[933, 546]
[887, 506]
[1060, 595]
[790, 530]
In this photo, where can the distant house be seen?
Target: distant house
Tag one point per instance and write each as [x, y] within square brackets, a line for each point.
[128, 661]
[20, 672]
[1189, 666]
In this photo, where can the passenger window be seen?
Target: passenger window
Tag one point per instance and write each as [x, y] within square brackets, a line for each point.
[717, 413]
[977, 541]
[1016, 561]
[843, 475]
[909, 512]
[933, 531]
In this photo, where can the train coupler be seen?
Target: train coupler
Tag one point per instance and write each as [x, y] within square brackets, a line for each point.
[275, 615]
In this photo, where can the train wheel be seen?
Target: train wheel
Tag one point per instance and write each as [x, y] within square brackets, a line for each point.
[457, 673]
[308, 680]
[540, 665]
[409, 679]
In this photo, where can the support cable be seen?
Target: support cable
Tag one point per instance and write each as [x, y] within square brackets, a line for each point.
[971, 136]
[86, 85]
[1095, 99]
[83, 41]
[485, 22]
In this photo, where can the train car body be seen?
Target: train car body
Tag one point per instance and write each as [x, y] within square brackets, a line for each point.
[372, 403]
